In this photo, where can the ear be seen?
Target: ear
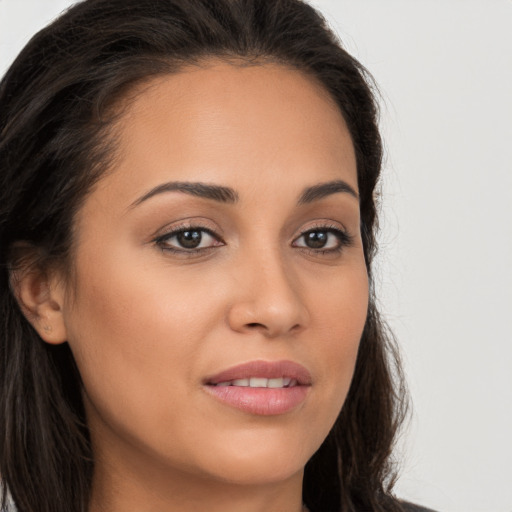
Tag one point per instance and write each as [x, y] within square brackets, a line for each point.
[41, 295]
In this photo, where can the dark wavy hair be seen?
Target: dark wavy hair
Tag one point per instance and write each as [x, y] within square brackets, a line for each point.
[57, 109]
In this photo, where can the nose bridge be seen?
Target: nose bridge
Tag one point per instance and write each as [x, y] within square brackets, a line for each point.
[268, 297]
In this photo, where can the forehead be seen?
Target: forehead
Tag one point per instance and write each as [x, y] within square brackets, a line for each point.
[223, 122]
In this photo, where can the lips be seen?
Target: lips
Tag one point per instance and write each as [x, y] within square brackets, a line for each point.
[261, 387]
[263, 370]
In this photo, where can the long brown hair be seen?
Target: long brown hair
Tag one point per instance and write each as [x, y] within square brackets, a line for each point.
[56, 109]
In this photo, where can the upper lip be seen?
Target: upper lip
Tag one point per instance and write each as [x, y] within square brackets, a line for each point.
[263, 369]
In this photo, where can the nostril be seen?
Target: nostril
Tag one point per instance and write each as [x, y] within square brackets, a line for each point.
[255, 325]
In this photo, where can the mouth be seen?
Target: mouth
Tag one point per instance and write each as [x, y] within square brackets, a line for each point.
[261, 387]
[260, 382]
[269, 374]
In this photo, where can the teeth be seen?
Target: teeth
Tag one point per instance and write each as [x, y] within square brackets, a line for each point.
[260, 382]
[241, 382]
[275, 383]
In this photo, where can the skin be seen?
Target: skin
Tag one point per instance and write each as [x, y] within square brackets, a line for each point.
[147, 325]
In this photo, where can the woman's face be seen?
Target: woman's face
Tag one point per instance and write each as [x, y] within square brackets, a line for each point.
[226, 233]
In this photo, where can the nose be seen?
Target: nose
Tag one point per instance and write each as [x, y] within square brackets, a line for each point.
[267, 299]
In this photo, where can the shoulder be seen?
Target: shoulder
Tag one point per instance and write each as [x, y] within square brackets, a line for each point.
[411, 507]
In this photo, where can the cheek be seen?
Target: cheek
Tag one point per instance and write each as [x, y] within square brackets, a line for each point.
[340, 305]
[134, 335]
[340, 316]
[123, 303]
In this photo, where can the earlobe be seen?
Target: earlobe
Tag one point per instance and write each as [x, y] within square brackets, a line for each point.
[41, 299]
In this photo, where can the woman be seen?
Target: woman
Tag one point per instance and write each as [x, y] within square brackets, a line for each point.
[187, 231]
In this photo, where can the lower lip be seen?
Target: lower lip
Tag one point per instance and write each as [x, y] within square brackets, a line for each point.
[261, 401]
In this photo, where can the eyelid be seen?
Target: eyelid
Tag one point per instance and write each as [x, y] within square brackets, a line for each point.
[188, 223]
[322, 225]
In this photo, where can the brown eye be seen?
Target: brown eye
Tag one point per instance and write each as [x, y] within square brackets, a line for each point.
[323, 240]
[316, 239]
[189, 239]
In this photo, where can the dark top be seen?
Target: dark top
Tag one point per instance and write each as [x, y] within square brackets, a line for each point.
[406, 507]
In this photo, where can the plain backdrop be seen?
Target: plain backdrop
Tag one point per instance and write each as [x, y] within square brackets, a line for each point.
[444, 68]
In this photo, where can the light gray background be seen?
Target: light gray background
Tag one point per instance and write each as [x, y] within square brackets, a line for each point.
[445, 72]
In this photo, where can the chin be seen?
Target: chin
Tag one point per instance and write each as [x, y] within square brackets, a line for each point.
[265, 459]
[259, 472]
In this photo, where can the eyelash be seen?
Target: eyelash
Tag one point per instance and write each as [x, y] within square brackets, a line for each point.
[344, 239]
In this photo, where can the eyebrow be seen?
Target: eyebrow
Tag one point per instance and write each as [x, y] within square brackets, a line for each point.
[230, 196]
[207, 191]
[317, 192]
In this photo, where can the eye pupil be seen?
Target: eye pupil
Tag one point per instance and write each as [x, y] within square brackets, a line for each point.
[189, 239]
[316, 239]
